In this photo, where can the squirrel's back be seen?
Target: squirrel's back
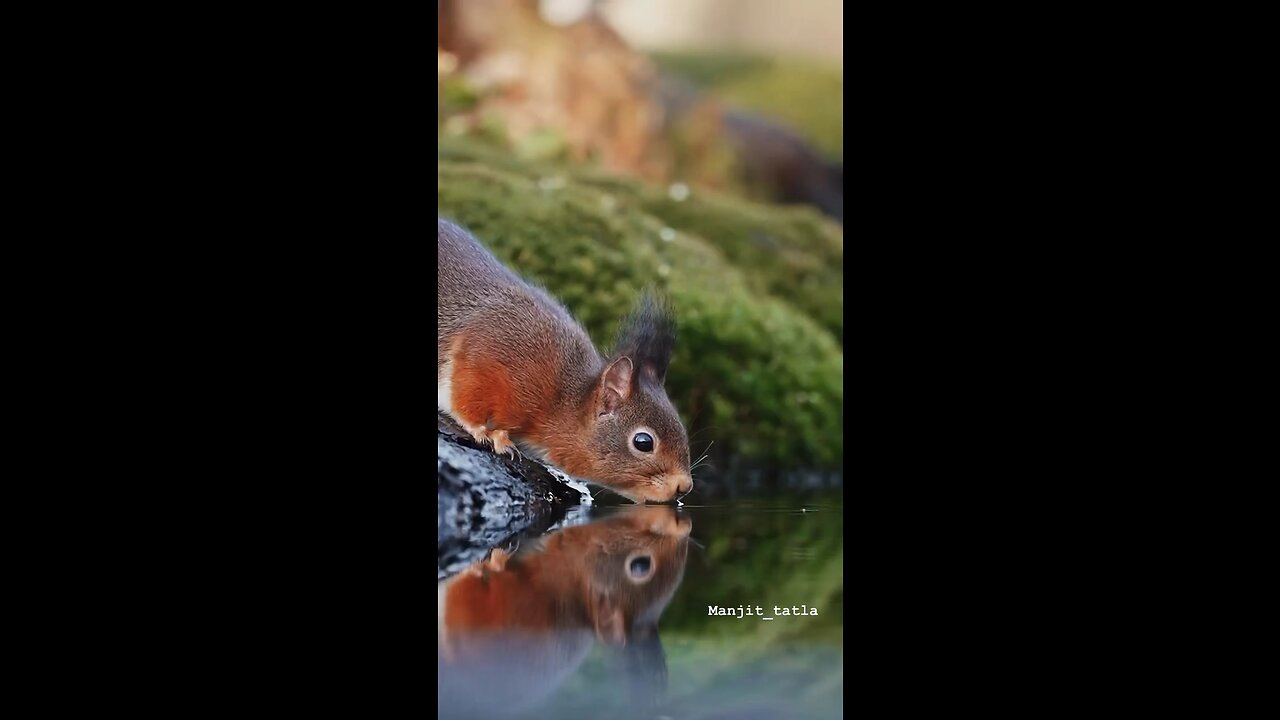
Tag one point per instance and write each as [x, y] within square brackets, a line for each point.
[543, 352]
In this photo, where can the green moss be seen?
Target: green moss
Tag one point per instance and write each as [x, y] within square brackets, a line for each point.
[762, 376]
[806, 96]
[791, 253]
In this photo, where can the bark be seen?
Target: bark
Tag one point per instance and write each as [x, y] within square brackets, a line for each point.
[485, 500]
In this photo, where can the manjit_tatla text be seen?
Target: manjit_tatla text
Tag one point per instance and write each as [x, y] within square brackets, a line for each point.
[742, 611]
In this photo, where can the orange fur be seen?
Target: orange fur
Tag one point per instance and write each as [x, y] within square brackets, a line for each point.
[483, 392]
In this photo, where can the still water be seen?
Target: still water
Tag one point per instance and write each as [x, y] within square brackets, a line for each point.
[608, 615]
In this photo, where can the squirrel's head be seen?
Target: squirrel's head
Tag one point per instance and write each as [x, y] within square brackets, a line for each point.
[640, 449]
[634, 562]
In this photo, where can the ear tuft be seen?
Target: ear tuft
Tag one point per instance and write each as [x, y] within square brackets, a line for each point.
[648, 335]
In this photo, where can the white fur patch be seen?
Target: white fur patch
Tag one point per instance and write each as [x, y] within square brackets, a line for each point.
[444, 388]
[442, 601]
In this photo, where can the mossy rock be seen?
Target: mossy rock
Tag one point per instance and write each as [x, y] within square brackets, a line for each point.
[752, 371]
[793, 253]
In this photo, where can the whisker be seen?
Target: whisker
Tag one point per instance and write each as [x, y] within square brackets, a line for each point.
[699, 432]
[706, 452]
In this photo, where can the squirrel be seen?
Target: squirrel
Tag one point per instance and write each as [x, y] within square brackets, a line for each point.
[514, 365]
[530, 617]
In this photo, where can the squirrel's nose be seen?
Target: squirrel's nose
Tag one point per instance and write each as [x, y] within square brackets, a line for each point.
[684, 488]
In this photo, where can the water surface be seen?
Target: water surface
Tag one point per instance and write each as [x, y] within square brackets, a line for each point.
[609, 615]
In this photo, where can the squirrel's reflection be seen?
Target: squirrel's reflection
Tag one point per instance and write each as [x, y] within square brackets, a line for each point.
[512, 627]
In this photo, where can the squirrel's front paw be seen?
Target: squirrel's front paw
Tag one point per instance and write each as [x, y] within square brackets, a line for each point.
[477, 432]
[502, 443]
[497, 438]
[497, 561]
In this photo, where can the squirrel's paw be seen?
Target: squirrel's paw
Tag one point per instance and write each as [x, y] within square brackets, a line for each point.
[497, 561]
[478, 432]
[502, 443]
[497, 438]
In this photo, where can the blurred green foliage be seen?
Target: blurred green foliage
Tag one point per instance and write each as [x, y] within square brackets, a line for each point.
[804, 95]
[456, 95]
[758, 289]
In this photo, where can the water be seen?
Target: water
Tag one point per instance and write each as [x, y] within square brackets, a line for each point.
[607, 616]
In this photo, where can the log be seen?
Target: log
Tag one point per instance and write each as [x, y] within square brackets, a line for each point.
[485, 500]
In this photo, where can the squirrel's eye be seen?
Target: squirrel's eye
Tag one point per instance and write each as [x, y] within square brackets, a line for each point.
[640, 567]
[643, 442]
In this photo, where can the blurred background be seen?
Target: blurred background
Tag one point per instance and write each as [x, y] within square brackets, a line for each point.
[600, 148]
[692, 145]
[800, 28]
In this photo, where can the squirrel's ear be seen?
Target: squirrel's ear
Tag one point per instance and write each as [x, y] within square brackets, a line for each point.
[615, 384]
[609, 623]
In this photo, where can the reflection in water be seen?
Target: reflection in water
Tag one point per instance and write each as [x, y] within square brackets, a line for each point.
[514, 626]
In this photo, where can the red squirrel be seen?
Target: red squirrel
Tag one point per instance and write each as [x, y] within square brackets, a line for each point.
[513, 365]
